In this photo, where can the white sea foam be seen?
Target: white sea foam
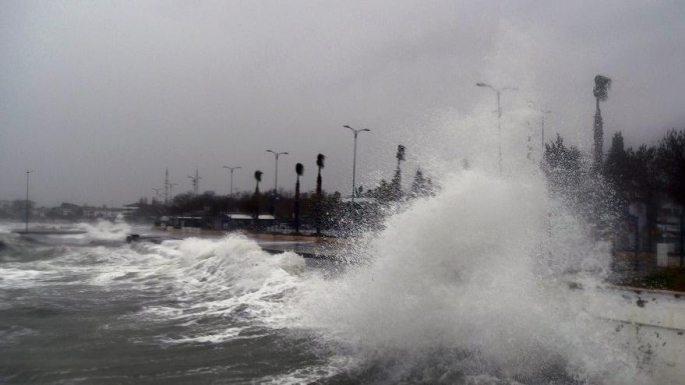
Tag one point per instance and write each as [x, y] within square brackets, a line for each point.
[212, 279]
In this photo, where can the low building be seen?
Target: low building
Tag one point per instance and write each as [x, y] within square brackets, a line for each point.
[668, 223]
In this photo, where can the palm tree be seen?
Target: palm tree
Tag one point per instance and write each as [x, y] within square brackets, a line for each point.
[320, 159]
[258, 178]
[601, 92]
[299, 170]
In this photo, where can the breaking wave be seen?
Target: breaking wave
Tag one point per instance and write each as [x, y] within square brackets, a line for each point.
[466, 287]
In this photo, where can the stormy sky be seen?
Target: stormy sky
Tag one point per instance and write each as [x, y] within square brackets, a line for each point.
[99, 97]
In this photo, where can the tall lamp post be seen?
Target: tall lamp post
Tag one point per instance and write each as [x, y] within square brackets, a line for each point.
[230, 193]
[276, 154]
[354, 158]
[498, 91]
[542, 112]
[27, 200]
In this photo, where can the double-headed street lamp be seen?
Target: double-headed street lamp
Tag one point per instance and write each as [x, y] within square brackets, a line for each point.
[542, 114]
[277, 154]
[230, 193]
[498, 91]
[354, 158]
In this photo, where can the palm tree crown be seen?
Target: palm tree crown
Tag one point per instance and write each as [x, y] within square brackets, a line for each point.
[320, 160]
[299, 169]
[601, 92]
[602, 86]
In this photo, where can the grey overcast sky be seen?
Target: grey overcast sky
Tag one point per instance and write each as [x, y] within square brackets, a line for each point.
[99, 97]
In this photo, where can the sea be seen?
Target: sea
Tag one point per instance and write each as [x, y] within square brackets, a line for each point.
[466, 287]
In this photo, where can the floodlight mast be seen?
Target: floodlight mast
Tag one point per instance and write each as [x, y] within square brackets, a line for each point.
[498, 91]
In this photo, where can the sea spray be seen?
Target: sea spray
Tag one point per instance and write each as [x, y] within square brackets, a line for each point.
[106, 231]
[467, 284]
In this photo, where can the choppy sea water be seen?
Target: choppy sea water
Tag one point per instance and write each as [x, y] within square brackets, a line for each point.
[190, 311]
[431, 299]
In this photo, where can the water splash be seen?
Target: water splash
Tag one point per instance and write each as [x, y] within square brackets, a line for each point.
[468, 284]
[106, 231]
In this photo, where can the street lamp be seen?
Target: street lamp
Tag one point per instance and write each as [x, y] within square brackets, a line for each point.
[27, 200]
[230, 192]
[196, 182]
[542, 114]
[277, 154]
[275, 198]
[498, 91]
[171, 187]
[354, 158]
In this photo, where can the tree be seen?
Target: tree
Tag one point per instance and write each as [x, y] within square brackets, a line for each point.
[617, 168]
[601, 93]
[299, 170]
[383, 193]
[421, 186]
[671, 159]
[255, 197]
[562, 167]
[644, 184]
[396, 182]
[320, 159]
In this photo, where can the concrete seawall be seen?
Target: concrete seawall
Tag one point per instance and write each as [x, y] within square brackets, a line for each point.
[651, 322]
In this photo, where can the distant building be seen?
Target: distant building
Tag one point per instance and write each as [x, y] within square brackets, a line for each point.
[65, 211]
[239, 221]
[103, 212]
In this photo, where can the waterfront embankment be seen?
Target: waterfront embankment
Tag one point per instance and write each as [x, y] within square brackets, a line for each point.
[308, 246]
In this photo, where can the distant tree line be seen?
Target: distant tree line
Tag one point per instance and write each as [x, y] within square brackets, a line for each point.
[16, 209]
[315, 210]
